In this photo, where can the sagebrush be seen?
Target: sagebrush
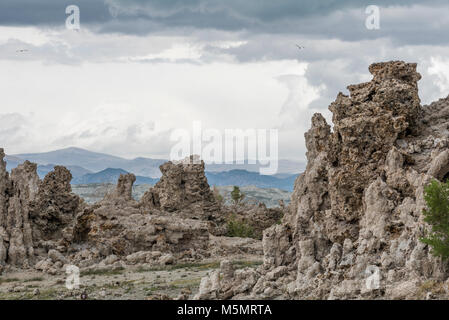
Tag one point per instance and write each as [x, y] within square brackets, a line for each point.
[238, 228]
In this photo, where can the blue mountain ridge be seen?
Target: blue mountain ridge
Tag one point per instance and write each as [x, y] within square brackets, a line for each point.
[92, 167]
[110, 175]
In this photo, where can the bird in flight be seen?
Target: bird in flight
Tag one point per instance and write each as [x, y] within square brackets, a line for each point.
[22, 50]
[300, 47]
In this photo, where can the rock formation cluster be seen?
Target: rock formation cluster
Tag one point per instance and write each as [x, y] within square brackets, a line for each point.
[351, 230]
[43, 225]
[353, 226]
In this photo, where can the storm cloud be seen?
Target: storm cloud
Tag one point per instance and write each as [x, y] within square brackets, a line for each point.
[136, 70]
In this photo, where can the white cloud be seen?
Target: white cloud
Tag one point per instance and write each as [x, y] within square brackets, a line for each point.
[440, 68]
[31, 35]
[124, 94]
[296, 109]
[128, 109]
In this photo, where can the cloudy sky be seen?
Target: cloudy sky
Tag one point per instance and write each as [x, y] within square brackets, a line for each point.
[137, 70]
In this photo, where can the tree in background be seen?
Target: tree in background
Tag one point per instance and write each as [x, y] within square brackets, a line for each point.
[436, 195]
[236, 195]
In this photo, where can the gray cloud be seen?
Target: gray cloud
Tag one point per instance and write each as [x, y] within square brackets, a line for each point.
[338, 51]
[322, 18]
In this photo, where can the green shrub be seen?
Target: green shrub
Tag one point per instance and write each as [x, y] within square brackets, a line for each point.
[236, 195]
[436, 195]
[238, 228]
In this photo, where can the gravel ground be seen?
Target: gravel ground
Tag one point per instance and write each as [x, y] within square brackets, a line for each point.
[136, 283]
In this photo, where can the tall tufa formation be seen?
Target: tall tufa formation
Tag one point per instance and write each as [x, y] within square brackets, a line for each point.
[54, 209]
[353, 226]
[16, 193]
[5, 187]
[183, 191]
[366, 125]
[123, 191]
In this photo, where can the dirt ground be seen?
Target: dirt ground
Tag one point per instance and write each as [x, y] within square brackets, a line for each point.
[134, 282]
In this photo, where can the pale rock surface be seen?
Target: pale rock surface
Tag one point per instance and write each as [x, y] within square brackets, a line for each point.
[17, 191]
[53, 210]
[183, 191]
[224, 246]
[119, 225]
[353, 226]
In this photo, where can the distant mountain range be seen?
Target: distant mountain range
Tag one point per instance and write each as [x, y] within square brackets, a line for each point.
[110, 176]
[76, 171]
[226, 178]
[146, 167]
[12, 162]
[43, 169]
[95, 162]
[92, 167]
[285, 167]
[246, 178]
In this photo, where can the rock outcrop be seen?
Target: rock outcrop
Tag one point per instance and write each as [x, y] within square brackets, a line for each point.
[353, 226]
[46, 226]
[53, 211]
[123, 192]
[183, 191]
[17, 191]
[35, 216]
[5, 187]
[121, 226]
[25, 184]
[126, 230]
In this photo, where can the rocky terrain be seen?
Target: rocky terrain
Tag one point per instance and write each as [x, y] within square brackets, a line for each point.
[350, 231]
[95, 192]
[176, 230]
[352, 228]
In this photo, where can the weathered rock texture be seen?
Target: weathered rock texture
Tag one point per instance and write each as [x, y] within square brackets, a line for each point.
[17, 191]
[353, 226]
[123, 191]
[4, 196]
[126, 230]
[121, 226]
[53, 211]
[32, 211]
[45, 226]
[183, 191]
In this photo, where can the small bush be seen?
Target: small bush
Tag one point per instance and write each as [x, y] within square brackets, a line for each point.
[436, 195]
[236, 195]
[102, 272]
[238, 228]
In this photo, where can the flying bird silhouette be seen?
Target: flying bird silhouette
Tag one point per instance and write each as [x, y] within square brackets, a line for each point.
[300, 47]
[22, 50]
